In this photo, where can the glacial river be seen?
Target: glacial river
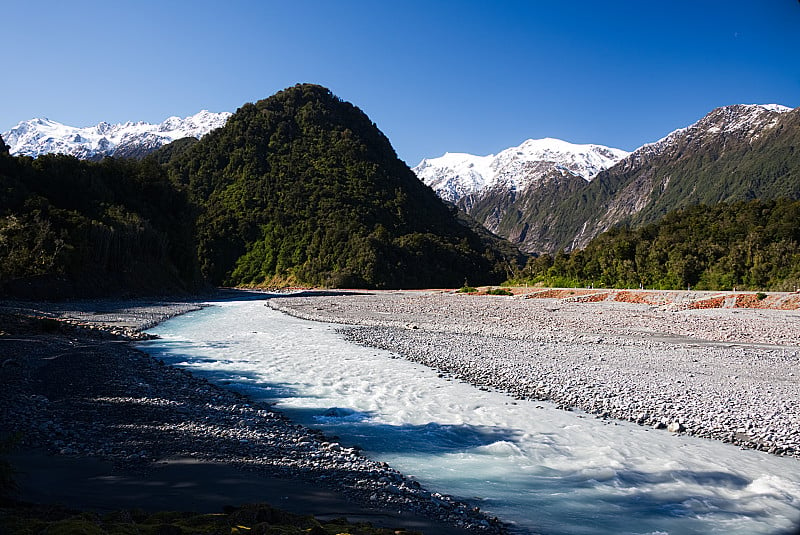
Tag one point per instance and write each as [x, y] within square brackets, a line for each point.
[543, 470]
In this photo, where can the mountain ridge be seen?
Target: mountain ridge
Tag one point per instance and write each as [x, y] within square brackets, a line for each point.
[38, 136]
[514, 168]
[303, 187]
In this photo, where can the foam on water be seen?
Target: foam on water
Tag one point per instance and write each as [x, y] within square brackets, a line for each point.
[543, 469]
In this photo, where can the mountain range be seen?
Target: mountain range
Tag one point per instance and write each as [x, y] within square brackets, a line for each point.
[544, 195]
[125, 140]
[549, 195]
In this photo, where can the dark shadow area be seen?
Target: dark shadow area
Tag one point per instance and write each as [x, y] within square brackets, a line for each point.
[355, 430]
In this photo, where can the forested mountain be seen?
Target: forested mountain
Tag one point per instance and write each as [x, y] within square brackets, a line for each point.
[302, 187]
[735, 153]
[298, 188]
[73, 228]
[745, 245]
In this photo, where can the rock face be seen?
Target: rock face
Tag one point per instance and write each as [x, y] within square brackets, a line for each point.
[557, 199]
[126, 140]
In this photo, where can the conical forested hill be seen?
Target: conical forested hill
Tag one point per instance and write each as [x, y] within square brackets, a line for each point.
[303, 187]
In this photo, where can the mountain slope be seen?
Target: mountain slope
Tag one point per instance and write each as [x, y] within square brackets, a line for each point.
[504, 191]
[127, 140]
[303, 187]
[734, 153]
[72, 228]
[746, 245]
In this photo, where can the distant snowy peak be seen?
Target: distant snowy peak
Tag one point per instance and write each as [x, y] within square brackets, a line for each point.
[747, 121]
[456, 175]
[43, 136]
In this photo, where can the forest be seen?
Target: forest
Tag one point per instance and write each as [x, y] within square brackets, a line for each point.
[75, 228]
[302, 188]
[745, 245]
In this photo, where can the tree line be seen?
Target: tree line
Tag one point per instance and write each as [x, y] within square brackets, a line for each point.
[748, 245]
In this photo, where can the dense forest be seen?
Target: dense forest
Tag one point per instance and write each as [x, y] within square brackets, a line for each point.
[746, 245]
[76, 228]
[302, 188]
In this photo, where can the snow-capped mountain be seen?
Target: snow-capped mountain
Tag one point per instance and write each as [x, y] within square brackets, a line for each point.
[456, 175]
[42, 136]
[547, 195]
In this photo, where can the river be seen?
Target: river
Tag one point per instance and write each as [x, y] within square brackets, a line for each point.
[542, 469]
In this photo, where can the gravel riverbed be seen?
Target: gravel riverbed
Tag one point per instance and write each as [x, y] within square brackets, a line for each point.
[726, 374]
[73, 385]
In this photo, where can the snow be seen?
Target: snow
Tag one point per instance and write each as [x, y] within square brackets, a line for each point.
[455, 175]
[42, 136]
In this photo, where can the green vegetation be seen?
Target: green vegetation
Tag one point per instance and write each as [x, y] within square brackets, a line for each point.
[71, 227]
[255, 519]
[303, 188]
[467, 289]
[747, 245]
[498, 291]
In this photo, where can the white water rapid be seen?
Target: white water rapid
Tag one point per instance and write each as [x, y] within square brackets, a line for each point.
[544, 470]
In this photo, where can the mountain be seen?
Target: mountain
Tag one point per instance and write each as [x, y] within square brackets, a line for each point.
[127, 140]
[302, 187]
[751, 245]
[735, 153]
[502, 191]
[458, 175]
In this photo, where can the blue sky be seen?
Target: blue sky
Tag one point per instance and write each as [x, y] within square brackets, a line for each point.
[458, 76]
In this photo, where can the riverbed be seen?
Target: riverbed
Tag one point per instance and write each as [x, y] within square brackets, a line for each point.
[531, 463]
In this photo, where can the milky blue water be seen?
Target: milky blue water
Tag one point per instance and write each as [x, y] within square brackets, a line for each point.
[544, 470]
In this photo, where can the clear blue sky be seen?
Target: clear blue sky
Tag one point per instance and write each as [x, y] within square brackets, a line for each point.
[458, 76]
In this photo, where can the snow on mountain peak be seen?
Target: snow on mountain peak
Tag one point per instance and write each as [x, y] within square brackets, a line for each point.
[42, 136]
[455, 175]
[746, 120]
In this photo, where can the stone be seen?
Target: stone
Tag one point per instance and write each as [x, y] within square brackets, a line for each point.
[676, 427]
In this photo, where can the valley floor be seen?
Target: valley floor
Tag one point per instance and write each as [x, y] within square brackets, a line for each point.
[107, 426]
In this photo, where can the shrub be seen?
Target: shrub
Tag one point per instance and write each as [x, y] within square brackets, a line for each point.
[498, 291]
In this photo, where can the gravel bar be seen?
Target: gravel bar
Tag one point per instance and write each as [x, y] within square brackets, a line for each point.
[726, 374]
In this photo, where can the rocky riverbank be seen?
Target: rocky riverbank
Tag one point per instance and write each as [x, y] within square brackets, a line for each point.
[72, 384]
[727, 374]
